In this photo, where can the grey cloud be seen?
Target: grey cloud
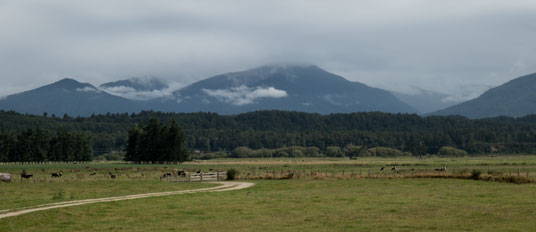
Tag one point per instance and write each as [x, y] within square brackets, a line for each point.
[244, 95]
[131, 93]
[88, 89]
[392, 44]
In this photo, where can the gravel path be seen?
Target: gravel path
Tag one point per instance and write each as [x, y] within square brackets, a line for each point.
[225, 186]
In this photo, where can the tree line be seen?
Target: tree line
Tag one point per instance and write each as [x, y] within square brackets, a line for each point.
[156, 143]
[37, 145]
[210, 132]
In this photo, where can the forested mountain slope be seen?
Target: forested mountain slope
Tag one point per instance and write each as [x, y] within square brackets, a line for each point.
[515, 98]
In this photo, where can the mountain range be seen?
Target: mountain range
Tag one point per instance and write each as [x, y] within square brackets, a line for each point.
[306, 88]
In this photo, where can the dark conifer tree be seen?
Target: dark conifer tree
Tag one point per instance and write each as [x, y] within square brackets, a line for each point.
[150, 147]
[156, 143]
[132, 149]
[174, 142]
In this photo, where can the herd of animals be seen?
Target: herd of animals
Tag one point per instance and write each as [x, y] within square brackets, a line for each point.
[180, 173]
[394, 168]
[6, 177]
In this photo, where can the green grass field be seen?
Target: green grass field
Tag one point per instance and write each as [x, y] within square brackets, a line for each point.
[18, 195]
[309, 205]
[305, 204]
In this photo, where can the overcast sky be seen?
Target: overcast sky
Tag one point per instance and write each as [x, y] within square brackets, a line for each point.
[459, 47]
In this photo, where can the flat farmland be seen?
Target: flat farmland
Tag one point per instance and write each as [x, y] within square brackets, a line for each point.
[335, 202]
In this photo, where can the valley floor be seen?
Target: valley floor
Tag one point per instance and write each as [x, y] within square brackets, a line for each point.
[305, 204]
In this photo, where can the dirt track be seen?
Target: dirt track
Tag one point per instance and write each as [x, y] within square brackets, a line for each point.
[225, 186]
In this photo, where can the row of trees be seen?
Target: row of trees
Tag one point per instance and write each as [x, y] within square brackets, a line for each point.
[156, 142]
[37, 145]
[297, 151]
[350, 151]
[210, 132]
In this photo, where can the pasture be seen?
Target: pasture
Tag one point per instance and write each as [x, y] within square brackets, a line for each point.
[322, 195]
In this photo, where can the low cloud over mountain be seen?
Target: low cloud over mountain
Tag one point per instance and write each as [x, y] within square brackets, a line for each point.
[244, 95]
[141, 88]
[306, 88]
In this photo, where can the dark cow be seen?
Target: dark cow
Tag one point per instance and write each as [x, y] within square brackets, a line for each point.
[394, 168]
[25, 176]
[60, 174]
[92, 174]
[167, 174]
[381, 169]
[182, 173]
[111, 175]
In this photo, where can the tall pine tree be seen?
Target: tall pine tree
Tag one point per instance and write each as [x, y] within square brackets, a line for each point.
[155, 142]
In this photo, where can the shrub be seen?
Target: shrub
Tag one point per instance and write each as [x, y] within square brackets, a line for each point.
[280, 154]
[214, 155]
[355, 151]
[231, 174]
[451, 151]
[334, 151]
[242, 152]
[311, 152]
[264, 153]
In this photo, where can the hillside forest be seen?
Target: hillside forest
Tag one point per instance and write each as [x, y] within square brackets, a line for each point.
[264, 131]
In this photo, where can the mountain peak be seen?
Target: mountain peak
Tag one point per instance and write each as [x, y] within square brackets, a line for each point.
[283, 66]
[68, 96]
[69, 83]
[137, 83]
[299, 87]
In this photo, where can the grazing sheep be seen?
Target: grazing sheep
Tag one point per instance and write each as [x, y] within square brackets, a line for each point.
[5, 177]
[442, 169]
